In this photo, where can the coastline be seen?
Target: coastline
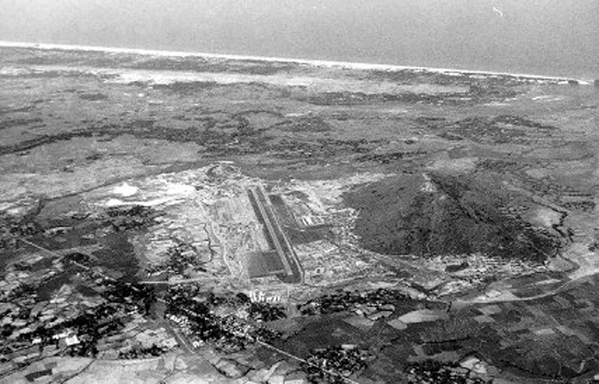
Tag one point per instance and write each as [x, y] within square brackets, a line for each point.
[155, 158]
[315, 63]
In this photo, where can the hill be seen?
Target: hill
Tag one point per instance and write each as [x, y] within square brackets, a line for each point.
[429, 215]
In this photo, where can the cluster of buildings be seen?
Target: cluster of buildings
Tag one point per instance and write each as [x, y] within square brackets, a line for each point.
[325, 263]
[65, 309]
[461, 273]
[227, 332]
[378, 303]
[432, 372]
[334, 364]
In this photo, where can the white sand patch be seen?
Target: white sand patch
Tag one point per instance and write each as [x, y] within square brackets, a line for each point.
[547, 98]
[421, 316]
[311, 83]
[148, 203]
[114, 203]
[180, 189]
[13, 71]
[461, 165]
[428, 185]
[126, 190]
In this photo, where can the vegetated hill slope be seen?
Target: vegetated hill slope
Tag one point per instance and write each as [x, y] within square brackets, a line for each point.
[445, 215]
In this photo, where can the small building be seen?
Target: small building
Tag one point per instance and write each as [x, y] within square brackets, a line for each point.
[71, 340]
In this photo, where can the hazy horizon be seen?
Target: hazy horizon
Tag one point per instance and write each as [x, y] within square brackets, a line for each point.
[543, 37]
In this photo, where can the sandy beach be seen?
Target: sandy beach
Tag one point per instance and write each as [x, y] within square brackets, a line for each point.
[316, 63]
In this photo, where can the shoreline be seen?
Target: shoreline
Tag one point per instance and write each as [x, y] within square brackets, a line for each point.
[316, 63]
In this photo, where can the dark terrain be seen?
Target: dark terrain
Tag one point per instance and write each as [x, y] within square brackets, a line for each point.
[461, 216]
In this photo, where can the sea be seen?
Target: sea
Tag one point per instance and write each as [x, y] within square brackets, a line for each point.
[539, 37]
